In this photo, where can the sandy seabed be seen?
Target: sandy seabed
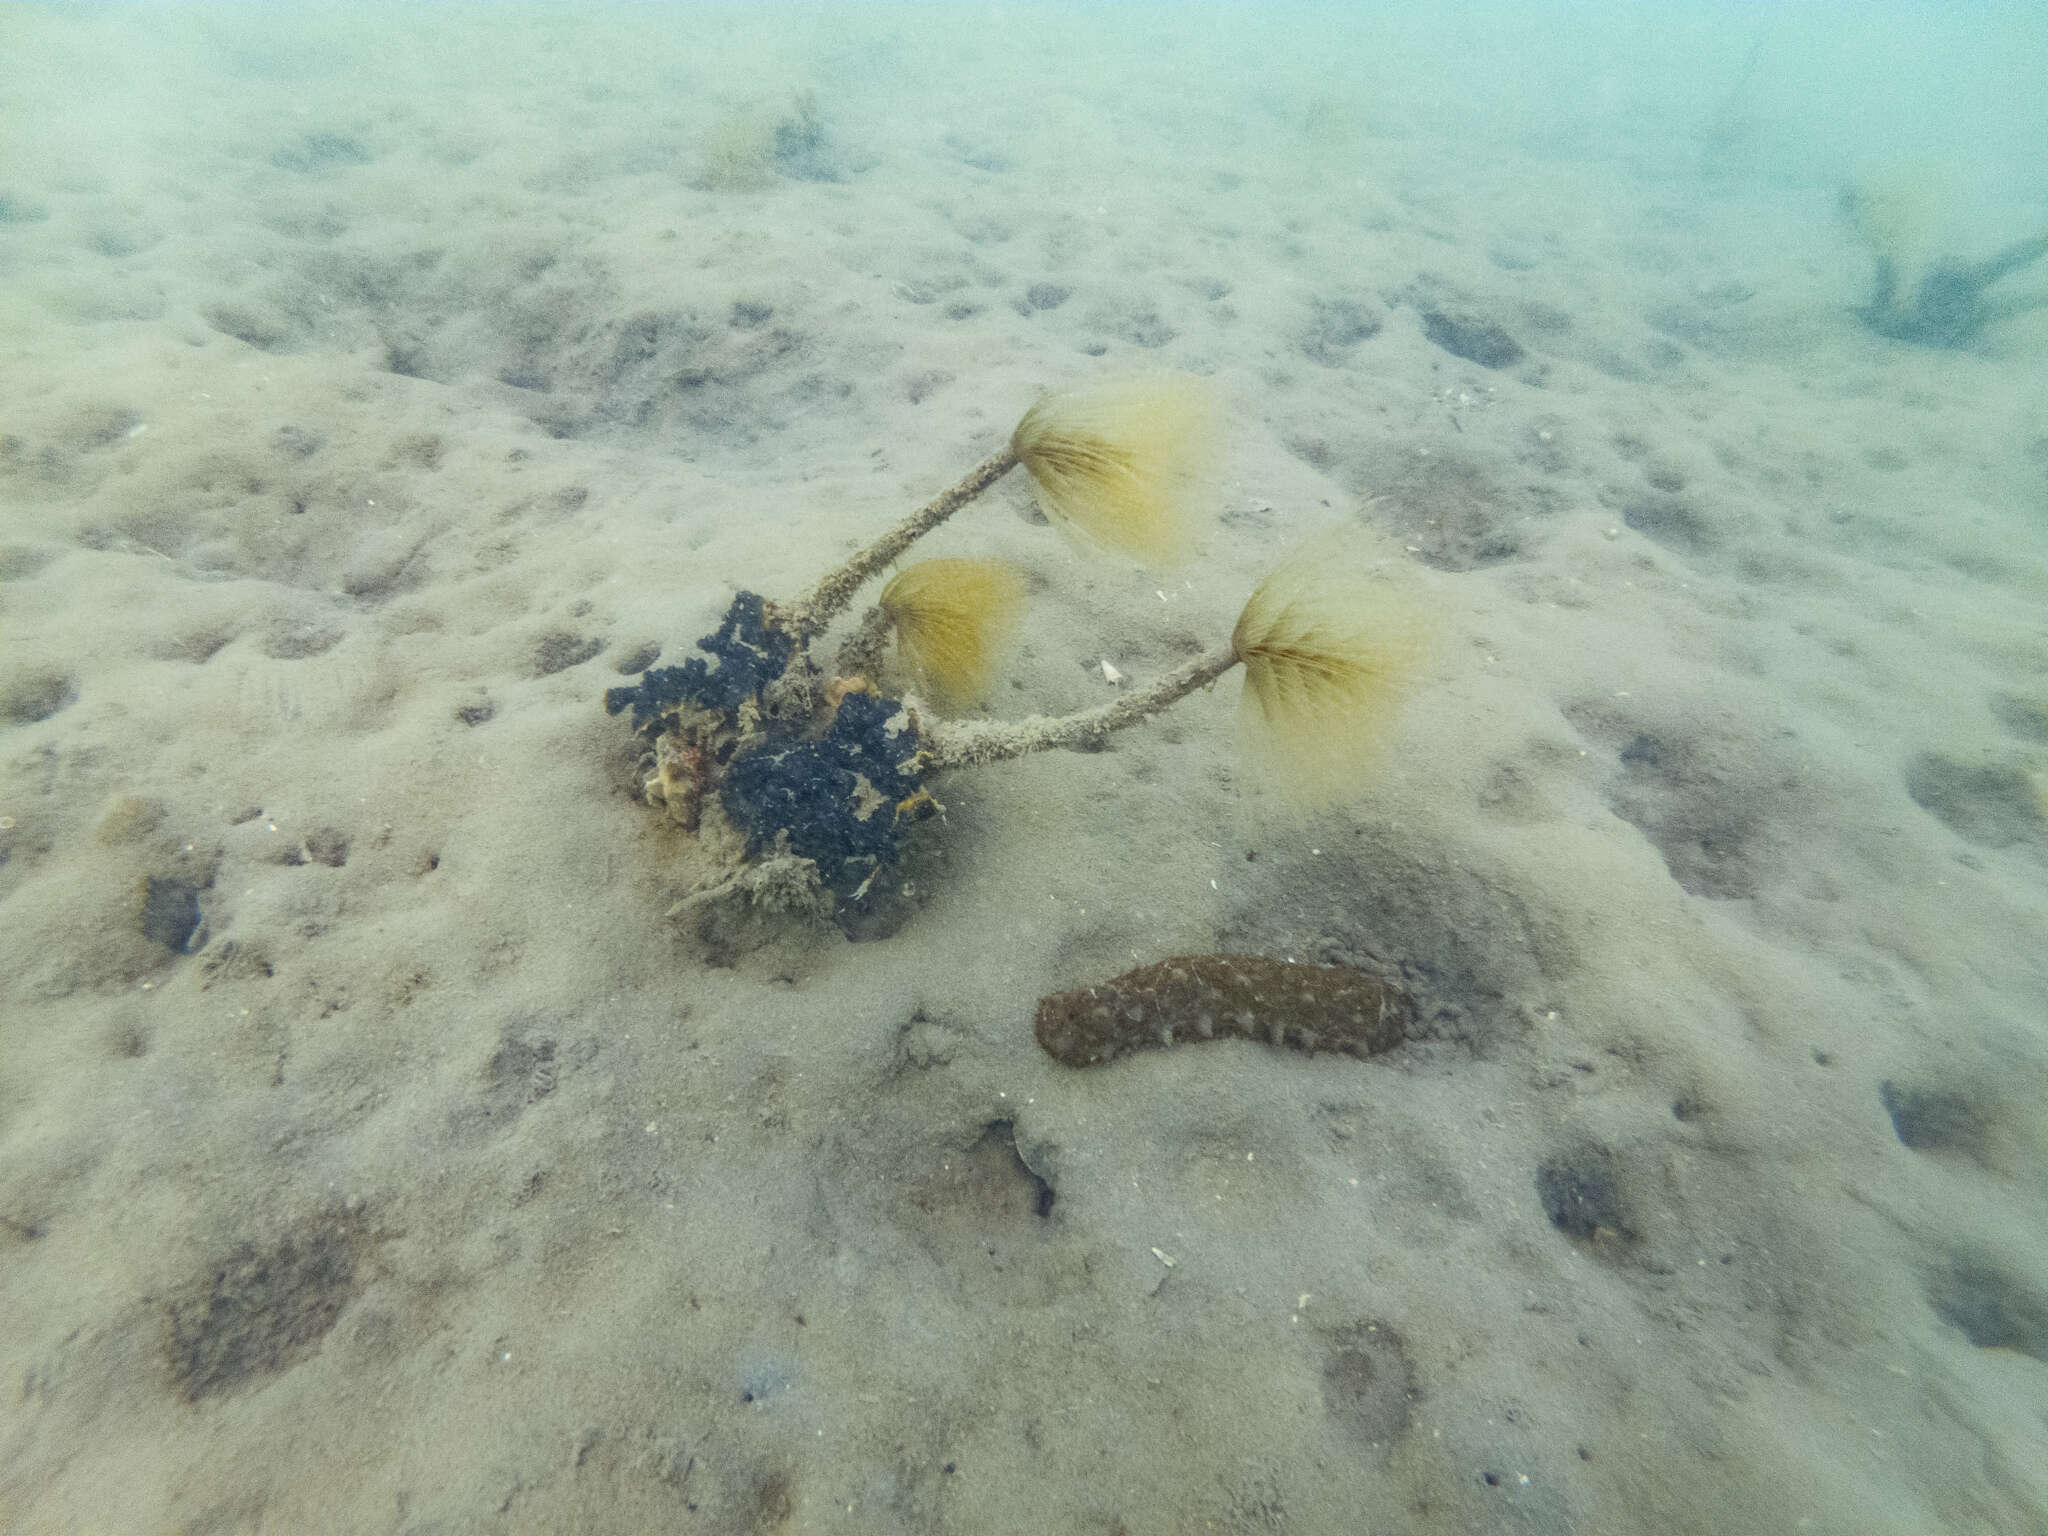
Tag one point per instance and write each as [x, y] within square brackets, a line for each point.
[376, 389]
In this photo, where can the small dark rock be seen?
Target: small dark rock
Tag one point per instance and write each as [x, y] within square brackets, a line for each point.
[315, 152]
[259, 1311]
[21, 210]
[1335, 327]
[1477, 341]
[1933, 1119]
[1580, 1196]
[1369, 1384]
[559, 651]
[36, 696]
[1992, 1308]
[170, 911]
[2022, 717]
[329, 845]
[298, 442]
[1989, 802]
[640, 658]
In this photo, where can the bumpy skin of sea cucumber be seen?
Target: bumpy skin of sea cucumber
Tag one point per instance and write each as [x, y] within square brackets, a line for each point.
[1217, 997]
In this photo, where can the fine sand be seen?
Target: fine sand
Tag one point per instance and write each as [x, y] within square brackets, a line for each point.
[377, 389]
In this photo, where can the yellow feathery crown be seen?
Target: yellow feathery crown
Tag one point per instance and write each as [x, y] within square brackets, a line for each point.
[952, 618]
[1328, 652]
[1126, 465]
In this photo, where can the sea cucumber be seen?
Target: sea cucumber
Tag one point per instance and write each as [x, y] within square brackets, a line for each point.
[1216, 997]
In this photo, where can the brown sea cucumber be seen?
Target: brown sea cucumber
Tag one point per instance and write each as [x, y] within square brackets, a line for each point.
[1216, 997]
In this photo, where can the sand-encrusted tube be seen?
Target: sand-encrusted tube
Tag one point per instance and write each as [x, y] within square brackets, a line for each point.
[1125, 465]
[963, 743]
[825, 601]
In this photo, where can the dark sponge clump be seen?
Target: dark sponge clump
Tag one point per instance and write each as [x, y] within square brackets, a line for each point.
[841, 798]
[750, 652]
